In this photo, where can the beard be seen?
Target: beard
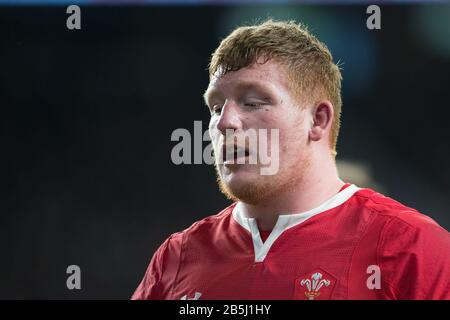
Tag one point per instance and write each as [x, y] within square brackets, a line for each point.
[248, 192]
[259, 188]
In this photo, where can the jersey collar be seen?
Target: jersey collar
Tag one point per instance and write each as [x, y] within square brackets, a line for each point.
[286, 221]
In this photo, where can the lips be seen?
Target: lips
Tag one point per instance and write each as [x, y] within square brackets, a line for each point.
[231, 153]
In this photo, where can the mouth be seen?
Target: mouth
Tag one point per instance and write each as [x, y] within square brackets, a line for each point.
[231, 154]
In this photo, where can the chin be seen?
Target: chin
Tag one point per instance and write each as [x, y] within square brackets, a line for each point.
[240, 177]
[246, 186]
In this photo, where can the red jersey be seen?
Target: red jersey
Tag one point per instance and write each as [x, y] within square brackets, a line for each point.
[358, 244]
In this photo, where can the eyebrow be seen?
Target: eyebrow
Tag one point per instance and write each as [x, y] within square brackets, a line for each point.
[241, 86]
[209, 94]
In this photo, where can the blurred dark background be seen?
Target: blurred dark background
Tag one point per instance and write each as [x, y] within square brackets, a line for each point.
[87, 116]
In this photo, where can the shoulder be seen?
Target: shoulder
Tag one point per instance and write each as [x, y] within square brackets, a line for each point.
[393, 211]
[201, 228]
[402, 227]
[161, 274]
[413, 251]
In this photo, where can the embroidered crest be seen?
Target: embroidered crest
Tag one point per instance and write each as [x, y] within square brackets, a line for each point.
[314, 285]
[196, 296]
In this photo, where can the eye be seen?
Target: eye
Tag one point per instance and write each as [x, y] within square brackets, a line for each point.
[253, 104]
[216, 109]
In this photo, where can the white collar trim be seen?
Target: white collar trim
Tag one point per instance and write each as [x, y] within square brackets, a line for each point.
[286, 221]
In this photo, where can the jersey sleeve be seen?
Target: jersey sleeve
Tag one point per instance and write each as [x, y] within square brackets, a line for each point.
[160, 275]
[415, 260]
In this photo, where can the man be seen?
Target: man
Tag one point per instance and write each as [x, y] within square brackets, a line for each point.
[300, 233]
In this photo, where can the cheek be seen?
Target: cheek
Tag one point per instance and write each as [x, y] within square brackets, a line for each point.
[298, 123]
[212, 127]
[293, 138]
[214, 134]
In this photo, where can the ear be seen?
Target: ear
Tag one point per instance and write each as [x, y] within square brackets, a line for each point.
[322, 117]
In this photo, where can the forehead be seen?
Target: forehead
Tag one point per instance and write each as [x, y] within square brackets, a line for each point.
[270, 74]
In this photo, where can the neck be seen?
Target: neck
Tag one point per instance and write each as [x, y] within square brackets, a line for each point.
[318, 185]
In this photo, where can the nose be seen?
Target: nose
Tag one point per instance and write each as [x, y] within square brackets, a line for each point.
[230, 117]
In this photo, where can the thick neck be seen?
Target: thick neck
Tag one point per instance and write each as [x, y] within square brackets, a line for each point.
[319, 184]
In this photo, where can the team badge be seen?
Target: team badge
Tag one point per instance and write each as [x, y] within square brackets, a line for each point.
[315, 285]
[196, 296]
